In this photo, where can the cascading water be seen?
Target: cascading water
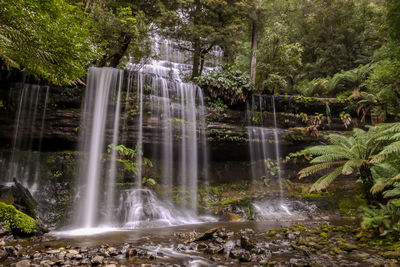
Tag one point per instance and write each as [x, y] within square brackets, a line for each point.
[174, 112]
[178, 120]
[262, 155]
[103, 85]
[24, 161]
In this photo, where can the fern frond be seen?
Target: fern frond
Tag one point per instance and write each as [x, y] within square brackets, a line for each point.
[381, 185]
[349, 166]
[317, 167]
[326, 180]
[393, 148]
[329, 157]
[358, 133]
[378, 187]
[395, 192]
[381, 171]
[332, 152]
[341, 140]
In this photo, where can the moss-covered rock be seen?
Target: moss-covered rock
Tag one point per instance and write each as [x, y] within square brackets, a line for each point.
[19, 223]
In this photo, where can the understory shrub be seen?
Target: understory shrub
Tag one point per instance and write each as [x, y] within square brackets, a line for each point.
[230, 86]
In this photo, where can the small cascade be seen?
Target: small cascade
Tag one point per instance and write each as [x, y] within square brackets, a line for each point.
[24, 160]
[277, 149]
[264, 149]
[273, 209]
[141, 208]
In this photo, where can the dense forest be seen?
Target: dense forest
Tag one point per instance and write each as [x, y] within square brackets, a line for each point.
[345, 52]
[320, 48]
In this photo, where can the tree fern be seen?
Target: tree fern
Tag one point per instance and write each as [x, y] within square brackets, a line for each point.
[350, 154]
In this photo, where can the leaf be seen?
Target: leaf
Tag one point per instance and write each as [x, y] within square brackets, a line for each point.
[326, 180]
[317, 167]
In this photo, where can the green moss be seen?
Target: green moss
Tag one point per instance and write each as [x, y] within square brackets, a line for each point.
[228, 201]
[16, 220]
[315, 196]
[350, 203]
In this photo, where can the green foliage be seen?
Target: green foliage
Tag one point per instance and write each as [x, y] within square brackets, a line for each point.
[217, 104]
[373, 155]
[123, 151]
[148, 182]
[127, 156]
[346, 155]
[338, 35]
[121, 31]
[49, 39]
[230, 86]
[331, 86]
[385, 219]
[17, 221]
[298, 154]
[279, 59]
[345, 118]
[393, 18]
[382, 91]
[301, 42]
[203, 24]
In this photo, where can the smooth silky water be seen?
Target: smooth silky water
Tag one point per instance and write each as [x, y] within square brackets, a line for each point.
[177, 114]
[24, 160]
[264, 147]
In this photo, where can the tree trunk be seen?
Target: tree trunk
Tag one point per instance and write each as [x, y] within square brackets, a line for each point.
[202, 58]
[196, 58]
[254, 35]
[117, 56]
[368, 182]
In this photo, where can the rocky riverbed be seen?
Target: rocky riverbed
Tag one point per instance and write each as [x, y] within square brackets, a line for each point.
[240, 244]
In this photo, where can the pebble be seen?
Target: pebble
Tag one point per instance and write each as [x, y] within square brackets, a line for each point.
[23, 263]
[97, 260]
[3, 254]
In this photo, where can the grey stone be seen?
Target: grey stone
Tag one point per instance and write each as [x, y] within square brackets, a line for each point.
[97, 260]
[3, 254]
[23, 263]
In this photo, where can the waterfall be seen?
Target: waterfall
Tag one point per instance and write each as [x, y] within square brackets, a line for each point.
[110, 205]
[277, 149]
[24, 161]
[173, 113]
[262, 154]
[102, 83]
[178, 121]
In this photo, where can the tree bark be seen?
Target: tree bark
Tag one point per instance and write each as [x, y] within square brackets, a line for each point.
[117, 56]
[253, 60]
[368, 182]
[202, 58]
[196, 58]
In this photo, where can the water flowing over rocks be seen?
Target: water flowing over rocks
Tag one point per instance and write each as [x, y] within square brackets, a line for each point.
[311, 244]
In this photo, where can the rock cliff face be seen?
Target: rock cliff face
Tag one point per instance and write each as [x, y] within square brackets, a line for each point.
[228, 142]
[226, 129]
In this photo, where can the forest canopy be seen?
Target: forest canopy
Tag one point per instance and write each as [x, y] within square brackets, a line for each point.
[285, 46]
